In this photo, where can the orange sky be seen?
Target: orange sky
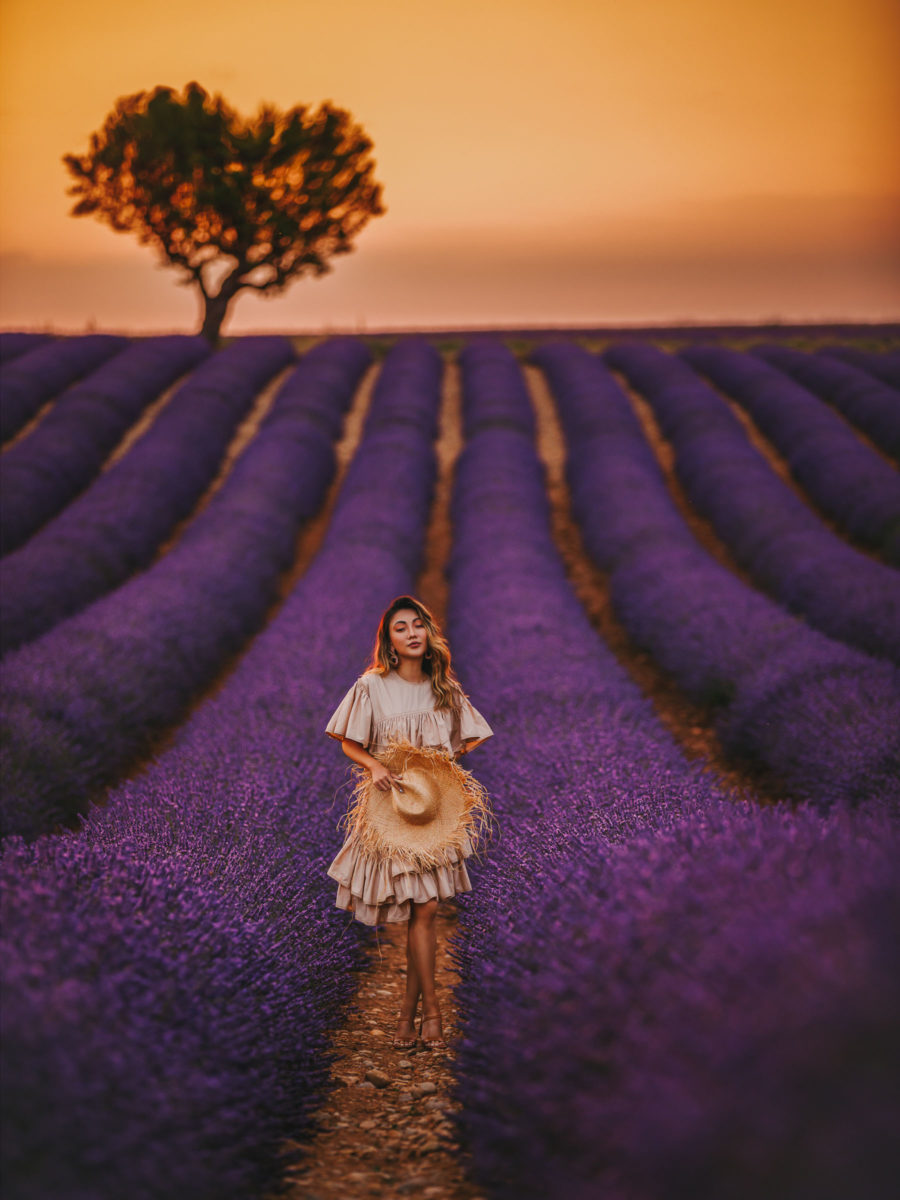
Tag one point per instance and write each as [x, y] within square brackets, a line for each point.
[543, 161]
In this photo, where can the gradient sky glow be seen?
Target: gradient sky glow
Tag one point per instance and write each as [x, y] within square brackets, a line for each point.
[543, 161]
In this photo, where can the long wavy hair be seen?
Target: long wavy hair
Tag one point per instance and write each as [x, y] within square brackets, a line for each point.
[436, 660]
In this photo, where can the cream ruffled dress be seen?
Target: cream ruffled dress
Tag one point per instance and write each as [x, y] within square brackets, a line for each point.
[379, 709]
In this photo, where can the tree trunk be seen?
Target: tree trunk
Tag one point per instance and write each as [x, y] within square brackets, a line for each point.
[215, 308]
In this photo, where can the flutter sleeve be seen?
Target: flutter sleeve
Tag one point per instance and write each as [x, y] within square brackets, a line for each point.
[353, 717]
[470, 728]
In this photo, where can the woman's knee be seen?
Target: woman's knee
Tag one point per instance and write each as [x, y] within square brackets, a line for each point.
[426, 911]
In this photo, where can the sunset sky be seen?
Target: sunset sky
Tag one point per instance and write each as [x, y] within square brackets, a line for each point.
[544, 162]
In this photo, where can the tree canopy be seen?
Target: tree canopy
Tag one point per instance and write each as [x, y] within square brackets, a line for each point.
[233, 202]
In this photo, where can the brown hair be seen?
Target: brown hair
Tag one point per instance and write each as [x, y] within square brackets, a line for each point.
[436, 661]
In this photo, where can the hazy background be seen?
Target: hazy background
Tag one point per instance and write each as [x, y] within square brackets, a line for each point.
[543, 161]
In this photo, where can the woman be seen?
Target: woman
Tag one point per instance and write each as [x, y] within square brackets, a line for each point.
[408, 697]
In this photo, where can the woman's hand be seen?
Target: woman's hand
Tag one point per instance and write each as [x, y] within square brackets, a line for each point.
[384, 779]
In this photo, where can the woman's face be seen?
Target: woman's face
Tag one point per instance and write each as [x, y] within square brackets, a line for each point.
[409, 637]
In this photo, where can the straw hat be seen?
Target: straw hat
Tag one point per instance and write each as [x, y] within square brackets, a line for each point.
[425, 824]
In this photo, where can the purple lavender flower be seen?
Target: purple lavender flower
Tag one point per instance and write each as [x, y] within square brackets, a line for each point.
[81, 702]
[58, 459]
[39, 373]
[867, 403]
[13, 345]
[174, 967]
[850, 483]
[770, 530]
[824, 717]
[884, 366]
[693, 994]
[114, 528]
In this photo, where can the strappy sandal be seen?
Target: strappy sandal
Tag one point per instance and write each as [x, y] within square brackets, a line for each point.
[400, 1043]
[435, 1043]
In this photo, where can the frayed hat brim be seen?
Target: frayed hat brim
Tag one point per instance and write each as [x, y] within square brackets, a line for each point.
[382, 832]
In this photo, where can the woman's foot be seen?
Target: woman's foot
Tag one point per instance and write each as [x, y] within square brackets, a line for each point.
[433, 1039]
[405, 1037]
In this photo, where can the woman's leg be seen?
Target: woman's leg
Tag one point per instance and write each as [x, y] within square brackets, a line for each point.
[422, 946]
[406, 1021]
[413, 983]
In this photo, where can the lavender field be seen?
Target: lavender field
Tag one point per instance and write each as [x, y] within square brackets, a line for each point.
[667, 565]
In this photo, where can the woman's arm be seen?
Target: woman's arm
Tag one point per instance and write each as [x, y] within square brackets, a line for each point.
[383, 779]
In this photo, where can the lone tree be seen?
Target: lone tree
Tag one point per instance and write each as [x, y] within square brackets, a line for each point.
[233, 203]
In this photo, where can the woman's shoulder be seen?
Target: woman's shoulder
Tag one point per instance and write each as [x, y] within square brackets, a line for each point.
[367, 678]
[371, 684]
[353, 716]
[360, 691]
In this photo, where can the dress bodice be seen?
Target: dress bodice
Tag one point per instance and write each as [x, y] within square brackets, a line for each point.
[379, 709]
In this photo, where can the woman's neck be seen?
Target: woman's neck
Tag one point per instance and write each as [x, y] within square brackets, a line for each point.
[411, 671]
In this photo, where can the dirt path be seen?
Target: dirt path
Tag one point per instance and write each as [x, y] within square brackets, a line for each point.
[384, 1130]
[432, 587]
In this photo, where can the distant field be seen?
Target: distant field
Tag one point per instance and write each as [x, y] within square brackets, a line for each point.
[870, 336]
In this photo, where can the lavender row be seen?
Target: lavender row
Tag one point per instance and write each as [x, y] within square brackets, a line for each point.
[869, 404]
[644, 957]
[703, 1011]
[884, 366]
[770, 530]
[12, 345]
[191, 924]
[38, 374]
[821, 717]
[511, 603]
[494, 394]
[87, 698]
[843, 477]
[44, 471]
[115, 526]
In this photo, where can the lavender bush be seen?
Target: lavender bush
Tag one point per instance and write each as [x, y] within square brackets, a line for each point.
[38, 374]
[701, 1011]
[510, 603]
[822, 717]
[867, 403]
[772, 533]
[80, 703]
[12, 345]
[495, 395]
[884, 366]
[117, 524]
[844, 478]
[691, 994]
[190, 925]
[42, 473]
